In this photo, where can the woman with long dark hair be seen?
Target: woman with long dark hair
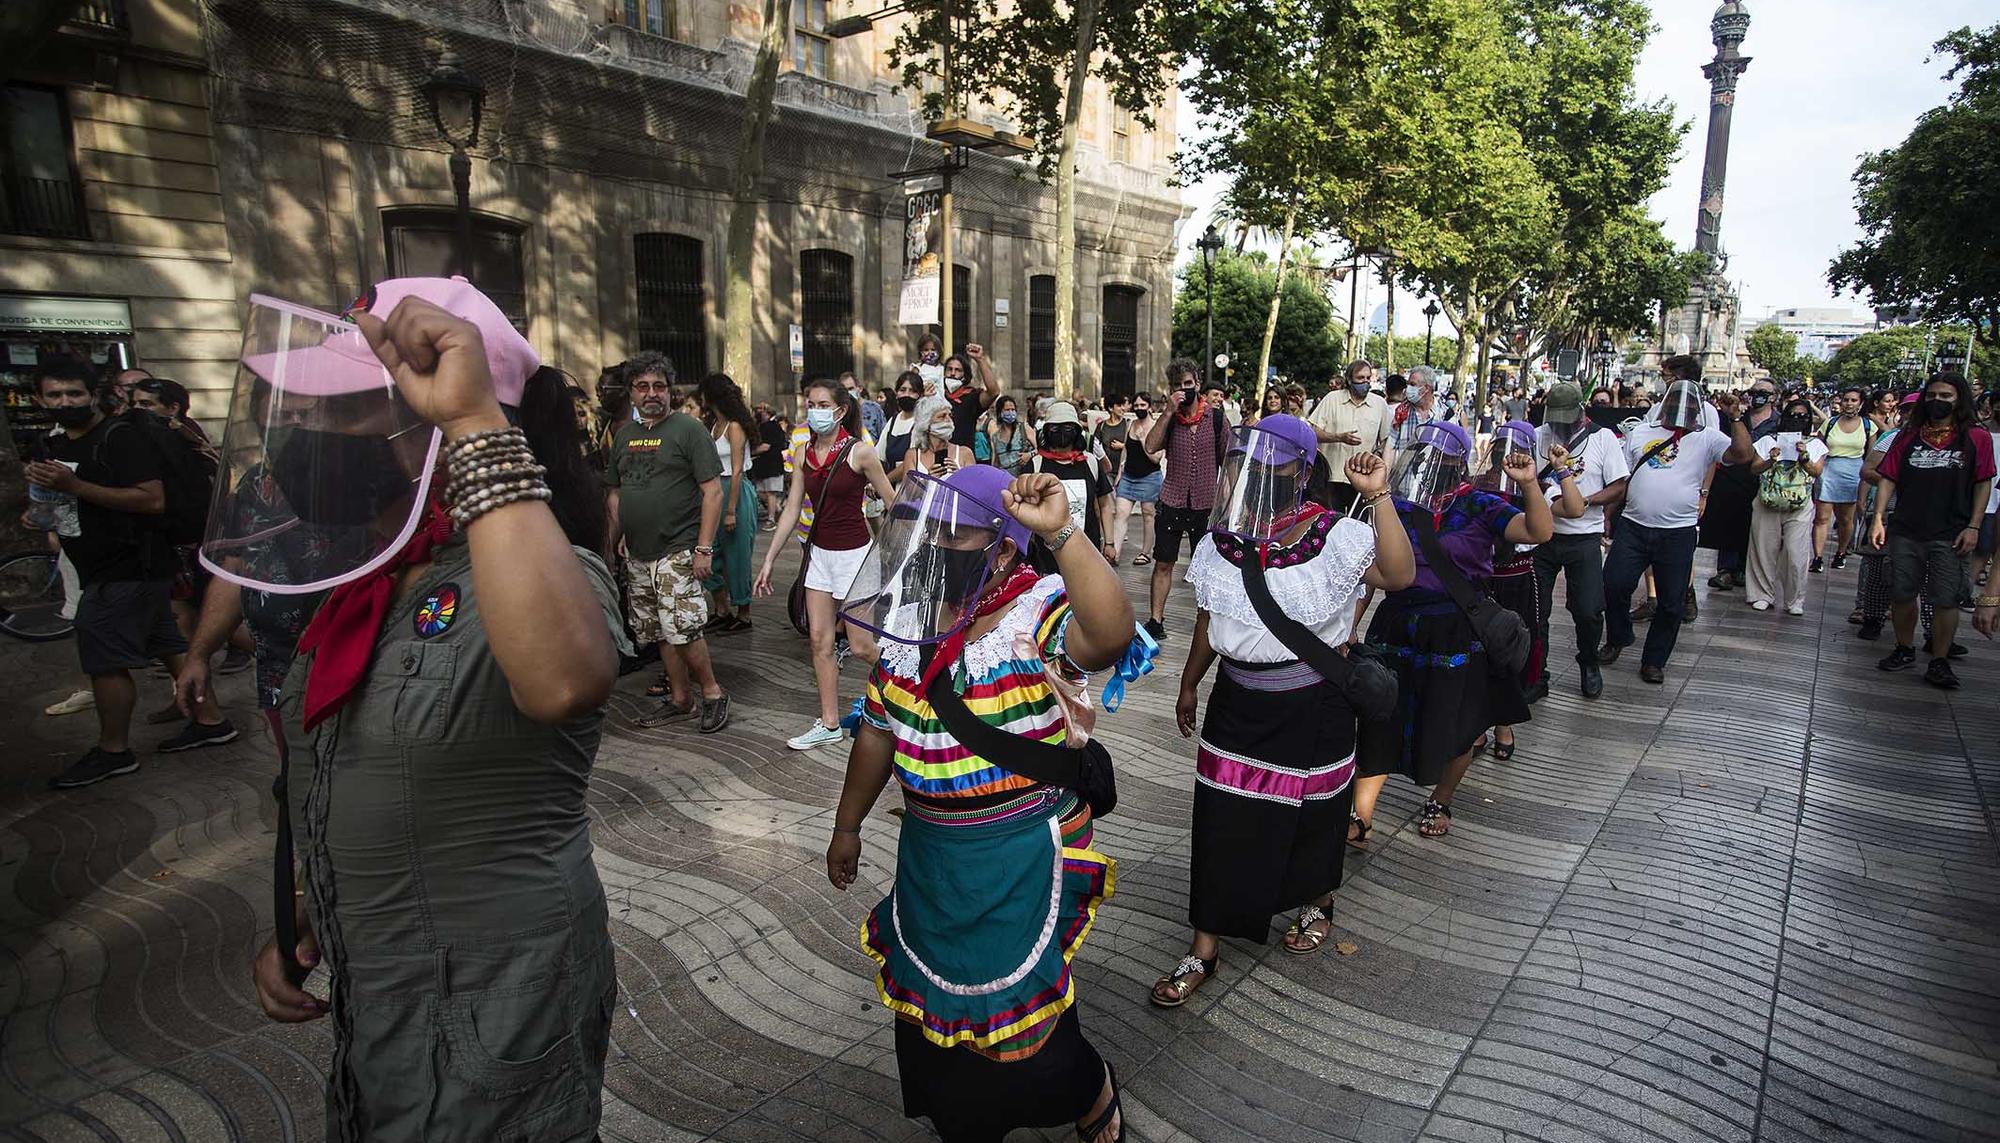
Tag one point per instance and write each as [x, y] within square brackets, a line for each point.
[446, 706]
[1010, 438]
[832, 470]
[733, 428]
[898, 433]
[1935, 480]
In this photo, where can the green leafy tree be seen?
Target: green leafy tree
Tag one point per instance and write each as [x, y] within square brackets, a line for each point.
[1775, 349]
[1033, 60]
[1306, 344]
[1877, 359]
[1930, 208]
[1335, 118]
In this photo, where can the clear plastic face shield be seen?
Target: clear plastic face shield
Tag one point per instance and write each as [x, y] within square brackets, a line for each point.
[1432, 474]
[929, 564]
[1508, 439]
[1680, 409]
[1263, 483]
[325, 472]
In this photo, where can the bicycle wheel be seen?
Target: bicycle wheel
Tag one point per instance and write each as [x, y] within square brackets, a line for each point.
[31, 598]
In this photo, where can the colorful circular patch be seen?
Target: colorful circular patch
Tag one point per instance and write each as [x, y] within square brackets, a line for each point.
[437, 611]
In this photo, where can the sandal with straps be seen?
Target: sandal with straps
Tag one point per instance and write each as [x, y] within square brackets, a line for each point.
[1302, 930]
[1093, 1132]
[1361, 827]
[659, 689]
[1177, 980]
[1435, 821]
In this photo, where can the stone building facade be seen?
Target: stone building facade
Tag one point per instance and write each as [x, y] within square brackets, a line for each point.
[223, 147]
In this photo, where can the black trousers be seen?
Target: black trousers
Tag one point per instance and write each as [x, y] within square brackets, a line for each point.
[1581, 560]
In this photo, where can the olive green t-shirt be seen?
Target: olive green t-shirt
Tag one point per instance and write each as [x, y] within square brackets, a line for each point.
[659, 472]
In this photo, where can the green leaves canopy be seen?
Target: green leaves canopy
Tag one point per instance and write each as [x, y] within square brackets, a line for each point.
[1306, 346]
[1930, 208]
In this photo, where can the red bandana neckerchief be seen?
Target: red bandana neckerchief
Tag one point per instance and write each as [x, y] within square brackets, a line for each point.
[1062, 456]
[996, 596]
[1196, 410]
[816, 467]
[343, 631]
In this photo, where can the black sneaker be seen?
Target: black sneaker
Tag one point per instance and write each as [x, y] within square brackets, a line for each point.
[1958, 651]
[714, 714]
[1840, 561]
[1817, 565]
[1157, 630]
[1869, 629]
[1940, 675]
[1900, 659]
[95, 766]
[196, 736]
[1721, 581]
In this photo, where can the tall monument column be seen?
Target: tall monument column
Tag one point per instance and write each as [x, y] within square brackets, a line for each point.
[1730, 25]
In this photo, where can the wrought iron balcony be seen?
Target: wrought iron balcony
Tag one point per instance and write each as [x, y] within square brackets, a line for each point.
[44, 208]
[100, 19]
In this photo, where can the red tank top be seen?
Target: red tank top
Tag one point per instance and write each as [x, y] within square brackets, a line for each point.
[837, 522]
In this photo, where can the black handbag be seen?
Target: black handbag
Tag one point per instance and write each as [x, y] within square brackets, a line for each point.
[1503, 632]
[1085, 769]
[1363, 679]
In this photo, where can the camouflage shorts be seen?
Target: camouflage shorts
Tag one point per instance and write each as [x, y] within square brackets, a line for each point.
[666, 599]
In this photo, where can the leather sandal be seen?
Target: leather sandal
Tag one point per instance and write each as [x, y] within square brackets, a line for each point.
[1435, 820]
[1302, 929]
[1178, 981]
[1093, 1132]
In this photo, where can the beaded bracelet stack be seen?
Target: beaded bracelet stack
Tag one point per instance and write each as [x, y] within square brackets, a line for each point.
[488, 470]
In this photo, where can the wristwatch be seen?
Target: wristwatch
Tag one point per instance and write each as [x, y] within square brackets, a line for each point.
[704, 549]
[1056, 544]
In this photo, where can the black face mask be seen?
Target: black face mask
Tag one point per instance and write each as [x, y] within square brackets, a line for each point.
[906, 403]
[1794, 423]
[1060, 437]
[946, 575]
[1759, 400]
[1271, 497]
[72, 416]
[1939, 408]
[335, 478]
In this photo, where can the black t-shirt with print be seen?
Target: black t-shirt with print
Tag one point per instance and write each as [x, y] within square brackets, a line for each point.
[1934, 489]
[115, 547]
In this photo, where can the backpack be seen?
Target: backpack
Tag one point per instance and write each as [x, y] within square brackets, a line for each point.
[187, 474]
[1784, 487]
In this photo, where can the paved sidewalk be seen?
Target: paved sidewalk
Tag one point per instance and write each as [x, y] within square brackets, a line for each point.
[1757, 903]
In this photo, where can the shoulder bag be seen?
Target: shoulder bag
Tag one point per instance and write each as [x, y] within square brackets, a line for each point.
[1086, 769]
[1369, 686]
[1503, 632]
[795, 602]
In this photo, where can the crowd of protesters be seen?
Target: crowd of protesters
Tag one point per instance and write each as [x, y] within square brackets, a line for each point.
[439, 553]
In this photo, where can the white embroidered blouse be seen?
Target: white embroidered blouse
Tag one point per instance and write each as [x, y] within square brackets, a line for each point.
[1316, 580]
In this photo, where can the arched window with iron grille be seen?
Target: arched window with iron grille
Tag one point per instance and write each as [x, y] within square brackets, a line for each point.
[1042, 327]
[1121, 338]
[671, 301]
[826, 311]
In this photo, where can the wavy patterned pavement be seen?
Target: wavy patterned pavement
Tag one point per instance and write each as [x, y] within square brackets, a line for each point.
[1757, 903]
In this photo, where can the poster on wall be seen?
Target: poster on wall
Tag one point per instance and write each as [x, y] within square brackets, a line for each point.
[923, 240]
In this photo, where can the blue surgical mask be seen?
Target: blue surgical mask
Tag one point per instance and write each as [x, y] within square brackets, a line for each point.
[1009, 417]
[822, 420]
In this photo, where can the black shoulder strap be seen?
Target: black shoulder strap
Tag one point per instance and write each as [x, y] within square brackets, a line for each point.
[1036, 761]
[1299, 639]
[1435, 558]
[1654, 449]
[1572, 445]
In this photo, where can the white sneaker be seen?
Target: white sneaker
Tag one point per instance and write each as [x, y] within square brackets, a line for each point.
[820, 735]
[79, 700]
[1759, 605]
[1796, 609]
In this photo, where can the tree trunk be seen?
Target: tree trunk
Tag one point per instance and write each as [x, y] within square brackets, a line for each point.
[744, 204]
[1277, 297]
[1079, 73]
[1389, 335]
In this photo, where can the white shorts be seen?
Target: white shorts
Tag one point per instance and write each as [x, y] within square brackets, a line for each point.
[834, 572]
[770, 484]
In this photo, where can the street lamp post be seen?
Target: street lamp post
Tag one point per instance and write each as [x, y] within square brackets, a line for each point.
[1606, 353]
[455, 96]
[1431, 312]
[1209, 244]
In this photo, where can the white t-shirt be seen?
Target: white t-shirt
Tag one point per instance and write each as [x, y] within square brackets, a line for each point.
[1665, 491]
[1597, 465]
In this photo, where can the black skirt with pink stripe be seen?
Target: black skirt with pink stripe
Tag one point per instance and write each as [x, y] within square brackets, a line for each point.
[1272, 793]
